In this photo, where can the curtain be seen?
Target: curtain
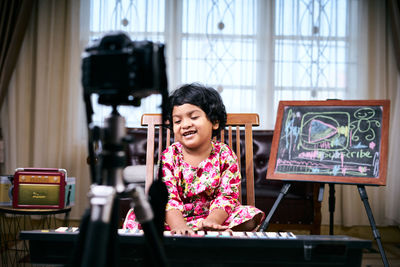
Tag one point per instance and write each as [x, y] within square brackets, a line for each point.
[13, 22]
[14, 18]
[378, 79]
[392, 210]
[394, 16]
[43, 115]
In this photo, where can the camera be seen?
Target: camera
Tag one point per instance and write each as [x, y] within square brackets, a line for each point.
[122, 72]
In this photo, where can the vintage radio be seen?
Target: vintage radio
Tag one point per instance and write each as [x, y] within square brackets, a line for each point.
[39, 188]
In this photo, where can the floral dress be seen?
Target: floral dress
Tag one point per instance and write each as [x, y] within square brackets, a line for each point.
[196, 191]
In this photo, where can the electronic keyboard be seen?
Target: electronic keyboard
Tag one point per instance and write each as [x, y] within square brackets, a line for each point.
[210, 248]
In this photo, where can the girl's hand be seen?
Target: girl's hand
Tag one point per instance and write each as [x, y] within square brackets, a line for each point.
[210, 225]
[177, 223]
[214, 221]
[182, 231]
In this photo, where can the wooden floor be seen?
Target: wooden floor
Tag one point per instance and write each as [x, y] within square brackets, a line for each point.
[373, 258]
[390, 238]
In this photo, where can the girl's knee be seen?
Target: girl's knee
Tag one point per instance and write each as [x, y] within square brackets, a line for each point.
[249, 225]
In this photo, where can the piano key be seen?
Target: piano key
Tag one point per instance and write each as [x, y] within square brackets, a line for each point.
[282, 235]
[201, 233]
[167, 233]
[291, 235]
[261, 235]
[225, 234]
[251, 234]
[212, 233]
[238, 234]
[271, 234]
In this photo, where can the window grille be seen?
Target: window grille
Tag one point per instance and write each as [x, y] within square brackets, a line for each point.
[254, 52]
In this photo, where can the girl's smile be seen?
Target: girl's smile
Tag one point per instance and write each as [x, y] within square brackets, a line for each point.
[189, 133]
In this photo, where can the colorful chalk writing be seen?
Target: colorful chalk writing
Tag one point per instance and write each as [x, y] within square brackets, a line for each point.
[334, 141]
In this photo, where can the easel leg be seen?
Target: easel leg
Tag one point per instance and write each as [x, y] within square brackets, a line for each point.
[284, 190]
[332, 201]
[364, 198]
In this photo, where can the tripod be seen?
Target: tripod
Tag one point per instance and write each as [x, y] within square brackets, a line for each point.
[98, 239]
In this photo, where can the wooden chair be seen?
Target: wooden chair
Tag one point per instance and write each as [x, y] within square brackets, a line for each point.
[235, 123]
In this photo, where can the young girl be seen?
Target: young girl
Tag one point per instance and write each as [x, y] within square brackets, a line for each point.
[202, 176]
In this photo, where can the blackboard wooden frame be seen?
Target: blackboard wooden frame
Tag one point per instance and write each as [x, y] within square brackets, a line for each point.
[379, 180]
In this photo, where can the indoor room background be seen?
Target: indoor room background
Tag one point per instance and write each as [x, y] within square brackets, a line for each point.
[254, 52]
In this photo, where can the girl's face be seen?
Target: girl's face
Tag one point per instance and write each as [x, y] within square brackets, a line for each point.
[191, 127]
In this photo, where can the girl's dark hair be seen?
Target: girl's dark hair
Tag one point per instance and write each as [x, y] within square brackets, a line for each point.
[207, 98]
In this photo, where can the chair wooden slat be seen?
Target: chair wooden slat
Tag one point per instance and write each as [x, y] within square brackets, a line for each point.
[230, 135]
[168, 137]
[150, 157]
[151, 121]
[160, 141]
[249, 164]
[238, 153]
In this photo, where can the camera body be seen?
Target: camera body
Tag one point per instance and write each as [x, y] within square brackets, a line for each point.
[122, 72]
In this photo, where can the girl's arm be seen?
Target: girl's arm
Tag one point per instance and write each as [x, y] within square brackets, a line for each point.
[227, 196]
[214, 220]
[173, 214]
[174, 219]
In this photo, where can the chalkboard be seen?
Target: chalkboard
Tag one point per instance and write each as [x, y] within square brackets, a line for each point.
[333, 141]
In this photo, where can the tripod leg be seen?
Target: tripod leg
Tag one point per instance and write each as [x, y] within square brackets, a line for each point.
[80, 244]
[364, 198]
[97, 235]
[113, 245]
[284, 190]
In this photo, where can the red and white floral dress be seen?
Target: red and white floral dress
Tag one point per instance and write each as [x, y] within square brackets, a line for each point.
[196, 191]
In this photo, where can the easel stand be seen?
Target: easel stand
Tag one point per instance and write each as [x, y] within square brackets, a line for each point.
[364, 198]
[332, 200]
[284, 190]
[282, 193]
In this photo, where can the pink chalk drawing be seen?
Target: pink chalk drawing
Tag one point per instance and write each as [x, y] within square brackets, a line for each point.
[342, 158]
[362, 169]
[372, 145]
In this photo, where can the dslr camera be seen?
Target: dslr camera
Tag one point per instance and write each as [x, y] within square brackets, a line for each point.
[122, 72]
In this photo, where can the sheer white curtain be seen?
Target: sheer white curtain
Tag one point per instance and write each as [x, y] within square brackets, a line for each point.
[392, 207]
[376, 78]
[43, 117]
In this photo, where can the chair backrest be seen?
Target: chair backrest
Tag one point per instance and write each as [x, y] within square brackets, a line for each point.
[236, 122]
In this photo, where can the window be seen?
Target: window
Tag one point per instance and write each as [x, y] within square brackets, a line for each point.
[311, 45]
[254, 52]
